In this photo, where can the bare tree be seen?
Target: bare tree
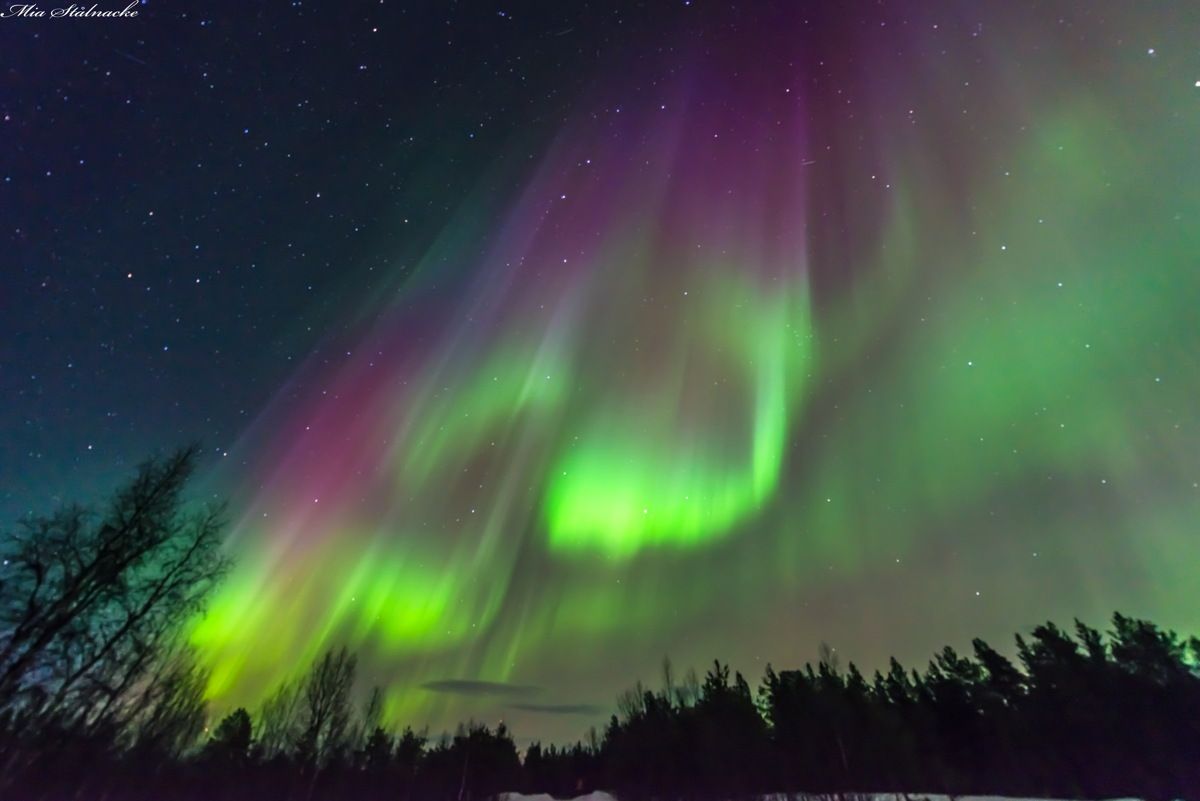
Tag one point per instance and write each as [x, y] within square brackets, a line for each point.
[170, 711]
[631, 703]
[669, 687]
[371, 718]
[326, 706]
[88, 601]
[279, 719]
[689, 692]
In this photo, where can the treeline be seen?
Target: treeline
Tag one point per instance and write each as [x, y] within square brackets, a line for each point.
[100, 698]
[1082, 715]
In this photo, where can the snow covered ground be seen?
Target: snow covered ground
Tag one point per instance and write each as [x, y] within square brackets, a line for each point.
[600, 796]
[596, 796]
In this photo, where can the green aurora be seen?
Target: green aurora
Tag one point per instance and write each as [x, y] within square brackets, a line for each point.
[736, 370]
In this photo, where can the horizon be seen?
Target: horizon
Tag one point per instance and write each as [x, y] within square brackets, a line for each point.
[530, 346]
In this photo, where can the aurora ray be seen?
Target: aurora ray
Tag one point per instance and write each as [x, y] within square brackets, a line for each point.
[756, 334]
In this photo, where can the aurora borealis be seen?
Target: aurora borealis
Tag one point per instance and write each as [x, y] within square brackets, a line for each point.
[614, 383]
[867, 323]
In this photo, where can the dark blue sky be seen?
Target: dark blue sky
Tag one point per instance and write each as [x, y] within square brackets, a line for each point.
[191, 199]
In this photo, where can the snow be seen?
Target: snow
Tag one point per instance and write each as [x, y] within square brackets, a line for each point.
[595, 796]
[600, 796]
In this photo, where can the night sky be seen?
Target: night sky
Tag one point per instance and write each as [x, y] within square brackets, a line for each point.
[533, 343]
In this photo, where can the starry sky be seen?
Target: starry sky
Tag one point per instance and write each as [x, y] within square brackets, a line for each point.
[531, 343]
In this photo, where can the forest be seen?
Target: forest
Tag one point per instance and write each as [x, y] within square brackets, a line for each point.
[101, 697]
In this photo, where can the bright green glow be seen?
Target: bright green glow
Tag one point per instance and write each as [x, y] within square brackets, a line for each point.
[399, 606]
[607, 499]
[728, 460]
[642, 479]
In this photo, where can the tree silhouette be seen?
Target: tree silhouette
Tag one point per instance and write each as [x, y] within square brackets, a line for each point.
[101, 698]
[91, 605]
[230, 742]
[279, 719]
[86, 601]
[326, 707]
[169, 713]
